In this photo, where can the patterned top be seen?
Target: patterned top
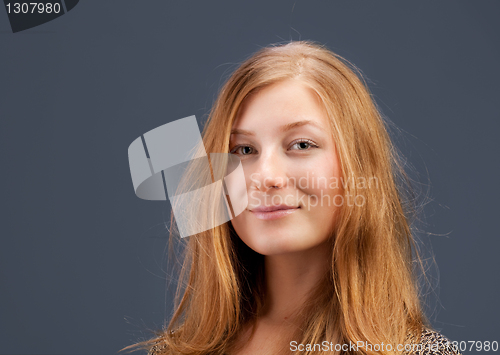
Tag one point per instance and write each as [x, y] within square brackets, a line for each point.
[431, 343]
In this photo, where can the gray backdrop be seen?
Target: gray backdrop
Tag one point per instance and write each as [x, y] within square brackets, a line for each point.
[81, 256]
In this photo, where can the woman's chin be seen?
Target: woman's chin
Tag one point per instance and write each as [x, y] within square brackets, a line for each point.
[276, 245]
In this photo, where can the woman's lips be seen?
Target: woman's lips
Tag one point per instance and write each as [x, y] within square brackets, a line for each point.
[274, 214]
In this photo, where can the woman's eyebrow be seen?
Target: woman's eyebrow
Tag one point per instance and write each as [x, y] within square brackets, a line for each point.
[283, 128]
[292, 125]
[242, 131]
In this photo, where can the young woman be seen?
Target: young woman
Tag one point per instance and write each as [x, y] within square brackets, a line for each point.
[322, 259]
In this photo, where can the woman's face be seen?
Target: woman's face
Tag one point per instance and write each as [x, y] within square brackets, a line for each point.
[283, 137]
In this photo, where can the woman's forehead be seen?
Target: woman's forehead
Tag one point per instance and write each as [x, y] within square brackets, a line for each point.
[286, 103]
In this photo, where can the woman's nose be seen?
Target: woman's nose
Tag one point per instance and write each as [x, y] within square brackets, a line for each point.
[270, 172]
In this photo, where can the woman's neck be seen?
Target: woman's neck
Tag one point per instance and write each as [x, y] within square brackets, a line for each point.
[289, 280]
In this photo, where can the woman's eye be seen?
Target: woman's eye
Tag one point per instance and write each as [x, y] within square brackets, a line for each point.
[300, 144]
[242, 149]
[304, 144]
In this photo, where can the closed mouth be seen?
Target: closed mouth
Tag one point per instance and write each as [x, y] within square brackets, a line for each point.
[273, 212]
[273, 208]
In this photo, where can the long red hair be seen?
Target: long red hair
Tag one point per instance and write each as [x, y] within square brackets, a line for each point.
[371, 292]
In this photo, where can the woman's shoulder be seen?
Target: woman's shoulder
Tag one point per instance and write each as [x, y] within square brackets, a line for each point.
[432, 342]
[160, 346]
[157, 349]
